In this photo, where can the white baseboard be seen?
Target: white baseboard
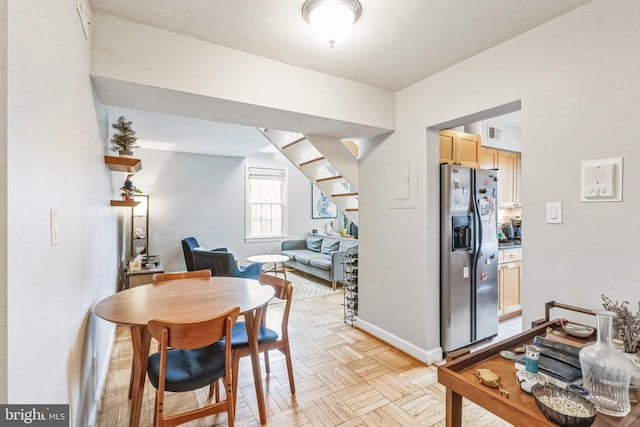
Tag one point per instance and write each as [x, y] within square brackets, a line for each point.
[102, 380]
[426, 356]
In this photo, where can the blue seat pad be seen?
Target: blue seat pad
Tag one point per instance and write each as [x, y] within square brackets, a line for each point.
[189, 369]
[239, 335]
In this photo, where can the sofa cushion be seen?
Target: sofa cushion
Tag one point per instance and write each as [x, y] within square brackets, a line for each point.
[305, 258]
[314, 243]
[322, 263]
[291, 253]
[329, 245]
[346, 244]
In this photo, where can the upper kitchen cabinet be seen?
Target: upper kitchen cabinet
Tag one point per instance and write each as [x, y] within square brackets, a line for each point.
[508, 178]
[460, 148]
[488, 158]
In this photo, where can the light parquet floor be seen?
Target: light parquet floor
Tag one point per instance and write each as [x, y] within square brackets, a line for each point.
[344, 377]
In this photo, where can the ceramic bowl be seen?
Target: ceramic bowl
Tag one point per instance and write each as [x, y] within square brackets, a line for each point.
[558, 405]
[578, 330]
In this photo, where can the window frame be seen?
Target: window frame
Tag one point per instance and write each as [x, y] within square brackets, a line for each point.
[281, 171]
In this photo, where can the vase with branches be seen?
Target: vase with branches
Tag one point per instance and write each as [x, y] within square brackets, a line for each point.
[124, 139]
[626, 325]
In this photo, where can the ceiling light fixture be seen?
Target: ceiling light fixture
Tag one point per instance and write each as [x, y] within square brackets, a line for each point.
[331, 19]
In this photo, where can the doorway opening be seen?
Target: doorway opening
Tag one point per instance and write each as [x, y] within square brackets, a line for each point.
[491, 139]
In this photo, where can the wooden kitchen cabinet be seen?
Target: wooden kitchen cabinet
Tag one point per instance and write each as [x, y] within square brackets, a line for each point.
[488, 158]
[460, 148]
[507, 162]
[509, 267]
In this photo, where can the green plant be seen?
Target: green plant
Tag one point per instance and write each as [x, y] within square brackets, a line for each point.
[125, 138]
[626, 325]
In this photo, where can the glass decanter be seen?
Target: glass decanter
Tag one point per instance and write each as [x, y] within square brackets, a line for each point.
[606, 372]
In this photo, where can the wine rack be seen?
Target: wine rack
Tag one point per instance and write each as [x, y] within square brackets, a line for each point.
[350, 285]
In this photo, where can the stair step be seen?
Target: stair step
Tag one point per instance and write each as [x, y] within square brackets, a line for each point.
[344, 194]
[352, 210]
[317, 159]
[329, 178]
[284, 147]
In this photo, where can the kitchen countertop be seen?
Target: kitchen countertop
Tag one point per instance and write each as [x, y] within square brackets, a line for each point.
[507, 244]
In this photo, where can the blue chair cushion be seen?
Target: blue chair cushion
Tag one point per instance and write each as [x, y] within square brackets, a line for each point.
[189, 369]
[239, 335]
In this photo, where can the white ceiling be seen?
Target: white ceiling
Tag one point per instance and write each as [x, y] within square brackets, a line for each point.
[393, 45]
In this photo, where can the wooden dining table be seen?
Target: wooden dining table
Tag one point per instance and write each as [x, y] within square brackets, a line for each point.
[185, 300]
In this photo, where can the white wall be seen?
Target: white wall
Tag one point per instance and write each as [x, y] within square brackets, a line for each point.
[578, 82]
[55, 149]
[510, 136]
[203, 196]
[269, 93]
[3, 200]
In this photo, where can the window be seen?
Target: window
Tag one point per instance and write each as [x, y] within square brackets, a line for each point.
[266, 202]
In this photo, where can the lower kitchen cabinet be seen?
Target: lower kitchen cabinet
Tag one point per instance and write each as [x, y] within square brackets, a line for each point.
[509, 283]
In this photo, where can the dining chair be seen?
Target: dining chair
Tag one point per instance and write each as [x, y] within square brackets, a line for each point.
[268, 339]
[163, 277]
[224, 264]
[192, 356]
[195, 274]
[190, 244]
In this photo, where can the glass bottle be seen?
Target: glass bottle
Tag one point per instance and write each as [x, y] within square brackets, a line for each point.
[606, 372]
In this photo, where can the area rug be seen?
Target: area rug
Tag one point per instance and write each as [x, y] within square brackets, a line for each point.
[307, 286]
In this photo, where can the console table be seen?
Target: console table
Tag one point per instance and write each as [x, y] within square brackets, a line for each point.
[519, 409]
[143, 276]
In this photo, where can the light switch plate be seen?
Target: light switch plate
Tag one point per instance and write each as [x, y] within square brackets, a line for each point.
[554, 213]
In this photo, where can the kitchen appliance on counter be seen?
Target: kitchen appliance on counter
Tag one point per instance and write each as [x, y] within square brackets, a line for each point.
[508, 230]
[517, 227]
[468, 256]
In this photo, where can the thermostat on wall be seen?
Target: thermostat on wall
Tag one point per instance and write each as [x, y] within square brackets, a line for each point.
[601, 180]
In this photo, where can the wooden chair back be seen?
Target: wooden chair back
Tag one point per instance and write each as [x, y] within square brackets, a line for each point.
[283, 290]
[162, 277]
[187, 336]
[193, 335]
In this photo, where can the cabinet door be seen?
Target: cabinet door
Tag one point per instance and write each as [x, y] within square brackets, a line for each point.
[500, 291]
[447, 141]
[518, 201]
[511, 287]
[460, 148]
[506, 178]
[488, 158]
[468, 150]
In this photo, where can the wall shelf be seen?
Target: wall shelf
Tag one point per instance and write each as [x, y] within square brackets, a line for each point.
[123, 164]
[124, 203]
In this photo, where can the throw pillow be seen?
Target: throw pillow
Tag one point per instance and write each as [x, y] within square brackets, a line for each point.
[329, 245]
[314, 243]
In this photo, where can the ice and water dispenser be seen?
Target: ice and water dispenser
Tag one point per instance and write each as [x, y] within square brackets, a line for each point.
[461, 233]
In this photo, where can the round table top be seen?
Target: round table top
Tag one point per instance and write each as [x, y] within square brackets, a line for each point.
[262, 259]
[183, 300]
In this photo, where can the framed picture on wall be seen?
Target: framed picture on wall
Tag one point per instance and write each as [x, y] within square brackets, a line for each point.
[321, 206]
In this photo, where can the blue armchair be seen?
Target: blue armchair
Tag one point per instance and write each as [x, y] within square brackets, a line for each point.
[188, 246]
[224, 264]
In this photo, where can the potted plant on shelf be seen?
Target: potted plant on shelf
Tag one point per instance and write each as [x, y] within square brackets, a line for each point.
[125, 138]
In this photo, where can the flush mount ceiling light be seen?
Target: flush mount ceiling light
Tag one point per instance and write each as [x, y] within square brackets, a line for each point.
[331, 19]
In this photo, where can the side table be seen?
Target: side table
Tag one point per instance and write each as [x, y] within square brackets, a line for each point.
[275, 260]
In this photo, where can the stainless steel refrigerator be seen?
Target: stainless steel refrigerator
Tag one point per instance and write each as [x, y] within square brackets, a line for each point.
[468, 256]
